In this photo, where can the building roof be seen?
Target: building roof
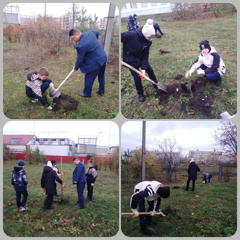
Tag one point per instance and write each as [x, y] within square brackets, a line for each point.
[17, 139]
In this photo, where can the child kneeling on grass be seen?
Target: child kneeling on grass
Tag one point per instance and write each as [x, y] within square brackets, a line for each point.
[209, 63]
[91, 178]
[19, 182]
[49, 185]
[37, 84]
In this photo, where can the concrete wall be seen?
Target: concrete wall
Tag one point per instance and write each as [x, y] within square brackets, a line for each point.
[52, 150]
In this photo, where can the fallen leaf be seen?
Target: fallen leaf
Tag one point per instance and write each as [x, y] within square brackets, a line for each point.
[43, 228]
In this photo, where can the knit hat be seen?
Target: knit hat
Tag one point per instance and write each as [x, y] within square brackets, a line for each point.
[49, 164]
[148, 29]
[164, 192]
[134, 15]
[21, 163]
[192, 160]
[205, 44]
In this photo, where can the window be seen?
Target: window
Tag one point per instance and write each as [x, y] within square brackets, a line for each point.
[153, 4]
[15, 140]
[133, 5]
[143, 5]
[124, 7]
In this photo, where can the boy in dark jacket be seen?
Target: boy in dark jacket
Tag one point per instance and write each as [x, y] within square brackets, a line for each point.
[37, 84]
[91, 60]
[91, 178]
[136, 46]
[48, 184]
[132, 24]
[19, 182]
[192, 174]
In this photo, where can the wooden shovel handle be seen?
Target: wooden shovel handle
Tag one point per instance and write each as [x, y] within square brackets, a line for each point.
[65, 79]
[135, 70]
[141, 213]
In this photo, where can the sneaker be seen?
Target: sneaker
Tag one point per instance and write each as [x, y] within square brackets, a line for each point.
[22, 209]
[89, 201]
[78, 207]
[49, 108]
[50, 208]
[141, 98]
[34, 100]
[99, 93]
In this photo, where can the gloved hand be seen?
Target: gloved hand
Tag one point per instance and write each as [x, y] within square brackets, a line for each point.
[152, 213]
[143, 72]
[44, 189]
[51, 86]
[62, 185]
[188, 74]
[135, 213]
[200, 71]
[92, 184]
[13, 187]
[49, 108]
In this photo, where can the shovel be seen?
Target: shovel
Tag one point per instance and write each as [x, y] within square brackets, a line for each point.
[54, 92]
[159, 85]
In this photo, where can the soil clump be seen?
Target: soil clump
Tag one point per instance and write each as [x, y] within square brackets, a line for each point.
[65, 102]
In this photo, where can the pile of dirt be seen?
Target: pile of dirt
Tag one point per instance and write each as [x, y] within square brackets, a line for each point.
[65, 102]
[198, 101]
[168, 210]
[161, 51]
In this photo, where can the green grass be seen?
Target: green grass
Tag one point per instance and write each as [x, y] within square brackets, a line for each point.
[16, 105]
[182, 39]
[100, 218]
[210, 211]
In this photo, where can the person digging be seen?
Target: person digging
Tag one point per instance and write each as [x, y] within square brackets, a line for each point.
[209, 64]
[153, 192]
[136, 46]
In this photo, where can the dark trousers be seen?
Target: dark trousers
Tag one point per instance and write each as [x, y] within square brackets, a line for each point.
[206, 179]
[90, 191]
[142, 218]
[137, 79]
[193, 184]
[158, 29]
[80, 189]
[31, 94]
[90, 78]
[18, 198]
[48, 201]
[211, 76]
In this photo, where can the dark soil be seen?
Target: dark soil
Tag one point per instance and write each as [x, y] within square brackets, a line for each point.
[65, 102]
[198, 101]
[161, 51]
[168, 210]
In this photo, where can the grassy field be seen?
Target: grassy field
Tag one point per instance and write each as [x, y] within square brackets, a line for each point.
[182, 40]
[16, 105]
[210, 211]
[100, 218]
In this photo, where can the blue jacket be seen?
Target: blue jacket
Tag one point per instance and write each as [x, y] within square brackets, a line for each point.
[79, 174]
[91, 55]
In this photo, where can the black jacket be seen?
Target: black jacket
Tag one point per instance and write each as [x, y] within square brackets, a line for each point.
[192, 171]
[135, 48]
[48, 180]
[19, 179]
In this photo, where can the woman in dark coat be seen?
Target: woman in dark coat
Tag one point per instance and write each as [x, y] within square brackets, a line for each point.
[136, 46]
[49, 185]
[192, 174]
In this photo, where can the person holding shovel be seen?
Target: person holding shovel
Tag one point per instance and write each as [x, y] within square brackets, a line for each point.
[55, 168]
[48, 184]
[208, 64]
[79, 179]
[136, 46]
[192, 174]
[153, 192]
[91, 60]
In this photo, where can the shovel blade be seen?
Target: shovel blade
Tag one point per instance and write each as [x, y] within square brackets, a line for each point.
[162, 87]
[54, 93]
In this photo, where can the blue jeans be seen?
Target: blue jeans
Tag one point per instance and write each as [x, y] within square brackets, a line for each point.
[80, 189]
[211, 76]
[141, 204]
[90, 78]
[24, 200]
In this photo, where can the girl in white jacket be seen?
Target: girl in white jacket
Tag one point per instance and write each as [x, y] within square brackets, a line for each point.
[209, 63]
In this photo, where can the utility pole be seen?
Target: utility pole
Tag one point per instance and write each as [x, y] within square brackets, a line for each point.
[45, 12]
[73, 6]
[143, 150]
[109, 28]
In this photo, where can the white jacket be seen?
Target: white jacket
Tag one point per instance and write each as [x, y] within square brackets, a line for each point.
[212, 61]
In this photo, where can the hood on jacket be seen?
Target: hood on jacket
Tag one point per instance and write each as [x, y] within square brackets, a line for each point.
[192, 164]
[17, 169]
[47, 169]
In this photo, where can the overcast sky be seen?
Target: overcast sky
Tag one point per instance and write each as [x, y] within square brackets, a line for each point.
[191, 135]
[59, 9]
[107, 132]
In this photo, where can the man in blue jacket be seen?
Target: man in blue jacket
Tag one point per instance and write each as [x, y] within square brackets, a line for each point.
[91, 59]
[79, 178]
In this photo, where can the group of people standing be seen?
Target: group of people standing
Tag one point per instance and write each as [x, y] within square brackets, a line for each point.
[50, 176]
